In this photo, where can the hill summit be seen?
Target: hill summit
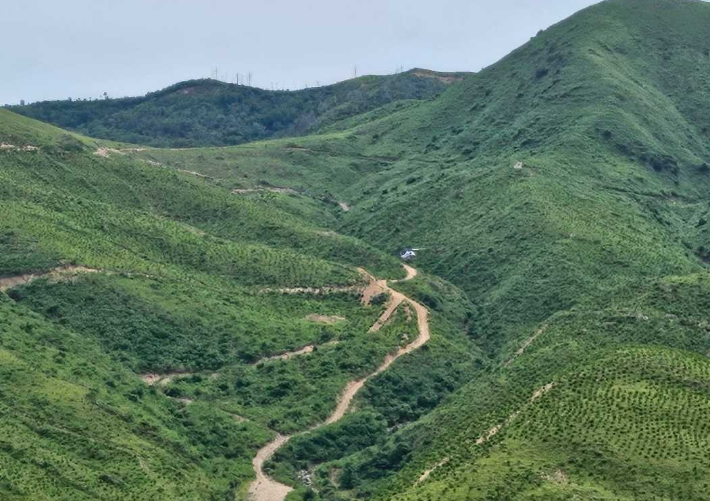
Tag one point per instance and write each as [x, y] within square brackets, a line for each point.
[213, 113]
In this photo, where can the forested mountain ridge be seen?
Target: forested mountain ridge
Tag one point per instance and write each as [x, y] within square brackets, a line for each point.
[214, 113]
[559, 202]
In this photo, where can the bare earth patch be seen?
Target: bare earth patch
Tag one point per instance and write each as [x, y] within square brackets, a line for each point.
[264, 488]
[428, 472]
[373, 288]
[525, 344]
[290, 354]
[165, 379]
[318, 291]
[12, 147]
[395, 300]
[238, 191]
[444, 78]
[193, 173]
[557, 477]
[325, 319]
[326, 233]
[540, 392]
[61, 273]
[106, 152]
[411, 273]
[344, 206]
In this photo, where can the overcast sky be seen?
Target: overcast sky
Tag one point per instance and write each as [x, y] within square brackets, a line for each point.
[82, 48]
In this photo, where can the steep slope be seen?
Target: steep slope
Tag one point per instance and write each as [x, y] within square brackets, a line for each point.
[561, 178]
[606, 403]
[181, 326]
[210, 112]
[568, 180]
[563, 189]
[574, 166]
[77, 426]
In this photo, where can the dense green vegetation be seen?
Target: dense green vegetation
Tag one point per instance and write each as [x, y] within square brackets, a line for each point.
[213, 113]
[562, 177]
[621, 415]
[76, 425]
[559, 198]
[181, 278]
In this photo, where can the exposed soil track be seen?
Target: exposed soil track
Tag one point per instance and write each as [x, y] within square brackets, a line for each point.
[325, 319]
[492, 432]
[151, 378]
[271, 189]
[317, 291]
[12, 147]
[290, 354]
[264, 488]
[526, 344]
[57, 274]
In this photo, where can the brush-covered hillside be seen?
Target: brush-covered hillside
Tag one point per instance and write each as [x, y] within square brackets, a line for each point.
[158, 329]
[574, 167]
[565, 190]
[213, 113]
[559, 201]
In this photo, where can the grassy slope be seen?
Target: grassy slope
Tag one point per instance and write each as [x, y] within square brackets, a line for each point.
[601, 237]
[182, 264]
[615, 151]
[622, 420]
[76, 425]
[608, 113]
[209, 112]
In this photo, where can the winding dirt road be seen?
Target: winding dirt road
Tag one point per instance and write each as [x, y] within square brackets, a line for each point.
[264, 488]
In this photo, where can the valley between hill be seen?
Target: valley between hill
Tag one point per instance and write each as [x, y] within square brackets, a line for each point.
[558, 200]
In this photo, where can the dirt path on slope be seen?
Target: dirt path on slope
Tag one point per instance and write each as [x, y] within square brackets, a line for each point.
[152, 378]
[59, 273]
[325, 319]
[526, 344]
[264, 488]
[12, 147]
[411, 273]
[396, 299]
[273, 189]
[301, 351]
[316, 291]
[428, 472]
[368, 291]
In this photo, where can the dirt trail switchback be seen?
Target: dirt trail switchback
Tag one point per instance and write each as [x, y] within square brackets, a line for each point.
[263, 488]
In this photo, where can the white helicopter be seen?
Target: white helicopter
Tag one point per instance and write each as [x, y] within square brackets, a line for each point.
[408, 254]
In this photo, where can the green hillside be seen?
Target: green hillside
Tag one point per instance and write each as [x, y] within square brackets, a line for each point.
[146, 273]
[559, 199]
[212, 113]
[557, 180]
